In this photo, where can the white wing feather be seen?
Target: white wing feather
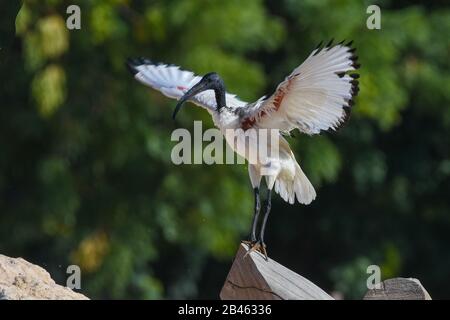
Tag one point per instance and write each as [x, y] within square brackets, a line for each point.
[316, 96]
[173, 82]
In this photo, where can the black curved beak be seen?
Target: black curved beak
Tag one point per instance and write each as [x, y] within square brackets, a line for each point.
[199, 87]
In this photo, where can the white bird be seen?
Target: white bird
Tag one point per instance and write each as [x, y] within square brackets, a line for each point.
[316, 96]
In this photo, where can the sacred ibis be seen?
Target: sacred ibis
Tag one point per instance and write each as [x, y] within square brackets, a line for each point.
[316, 96]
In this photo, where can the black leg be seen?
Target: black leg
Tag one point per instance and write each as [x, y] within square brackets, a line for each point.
[255, 215]
[266, 216]
[259, 245]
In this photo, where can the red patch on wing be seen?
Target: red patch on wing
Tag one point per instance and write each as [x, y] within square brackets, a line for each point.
[249, 122]
[181, 88]
[282, 93]
[278, 99]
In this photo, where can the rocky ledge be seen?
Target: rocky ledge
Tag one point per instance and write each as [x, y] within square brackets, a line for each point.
[22, 280]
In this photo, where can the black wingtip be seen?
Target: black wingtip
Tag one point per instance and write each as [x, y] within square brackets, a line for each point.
[143, 60]
[347, 114]
[348, 104]
[318, 48]
[330, 43]
[319, 45]
[131, 65]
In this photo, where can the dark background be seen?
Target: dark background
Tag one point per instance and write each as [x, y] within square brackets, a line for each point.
[85, 170]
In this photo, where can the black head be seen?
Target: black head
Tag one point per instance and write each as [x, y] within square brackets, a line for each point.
[210, 81]
[212, 78]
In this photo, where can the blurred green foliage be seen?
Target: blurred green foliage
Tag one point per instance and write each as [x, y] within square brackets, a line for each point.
[85, 170]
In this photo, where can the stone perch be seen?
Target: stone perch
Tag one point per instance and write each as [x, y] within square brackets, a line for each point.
[399, 289]
[22, 280]
[252, 277]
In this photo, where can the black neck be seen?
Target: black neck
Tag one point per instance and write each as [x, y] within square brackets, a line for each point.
[220, 97]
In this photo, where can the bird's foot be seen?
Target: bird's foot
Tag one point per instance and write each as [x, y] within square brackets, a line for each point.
[256, 246]
[250, 243]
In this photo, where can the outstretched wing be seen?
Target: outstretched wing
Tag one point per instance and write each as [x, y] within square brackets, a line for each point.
[174, 82]
[316, 96]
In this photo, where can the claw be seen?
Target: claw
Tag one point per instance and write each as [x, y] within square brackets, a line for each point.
[249, 243]
[264, 251]
[256, 246]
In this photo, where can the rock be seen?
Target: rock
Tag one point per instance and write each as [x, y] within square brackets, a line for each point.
[22, 280]
[398, 289]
